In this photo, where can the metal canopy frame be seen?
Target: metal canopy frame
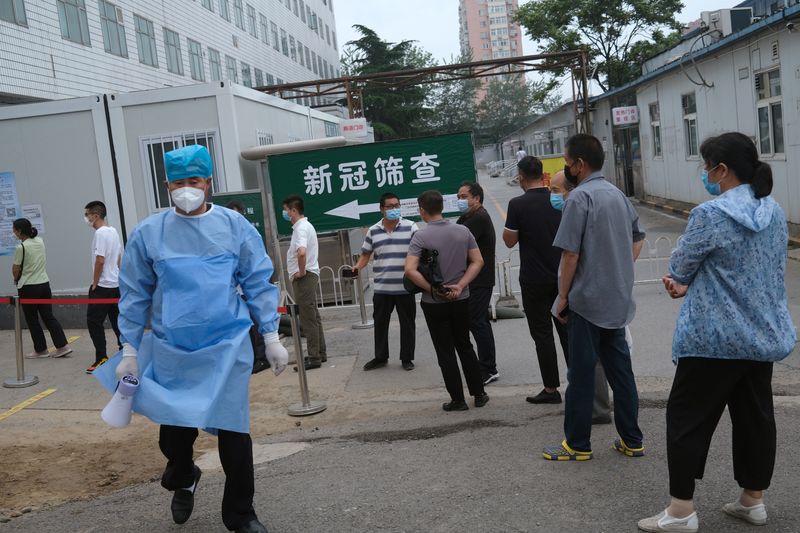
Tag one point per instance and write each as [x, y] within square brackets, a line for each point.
[352, 87]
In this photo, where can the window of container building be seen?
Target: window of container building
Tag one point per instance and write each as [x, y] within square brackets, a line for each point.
[770, 112]
[655, 129]
[208, 4]
[689, 106]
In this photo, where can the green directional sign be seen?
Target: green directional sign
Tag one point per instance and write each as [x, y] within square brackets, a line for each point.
[341, 187]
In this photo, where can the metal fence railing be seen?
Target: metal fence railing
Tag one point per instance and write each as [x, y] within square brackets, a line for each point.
[650, 267]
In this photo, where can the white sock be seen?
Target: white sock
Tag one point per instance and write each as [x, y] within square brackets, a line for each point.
[191, 487]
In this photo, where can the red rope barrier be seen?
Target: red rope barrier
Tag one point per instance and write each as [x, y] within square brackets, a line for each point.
[76, 301]
[79, 301]
[68, 301]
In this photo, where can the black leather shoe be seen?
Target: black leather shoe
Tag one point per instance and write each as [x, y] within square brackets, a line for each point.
[309, 365]
[481, 400]
[455, 406]
[408, 365]
[260, 365]
[253, 526]
[545, 397]
[183, 500]
[375, 363]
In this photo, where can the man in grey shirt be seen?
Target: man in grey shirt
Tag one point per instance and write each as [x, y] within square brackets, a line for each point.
[446, 308]
[600, 239]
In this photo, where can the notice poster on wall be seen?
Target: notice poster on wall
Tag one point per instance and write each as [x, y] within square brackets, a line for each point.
[9, 211]
[34, 214]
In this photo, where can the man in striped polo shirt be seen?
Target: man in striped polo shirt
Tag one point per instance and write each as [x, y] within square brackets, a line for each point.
[388, 242]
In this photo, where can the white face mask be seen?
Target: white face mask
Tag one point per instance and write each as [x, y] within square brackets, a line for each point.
[188, 198]
[86, 219]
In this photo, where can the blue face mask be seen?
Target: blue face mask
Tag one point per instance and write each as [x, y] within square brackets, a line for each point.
[393, 214]
[557, 201]
[712, 188]
[463, 205]
[286, 216]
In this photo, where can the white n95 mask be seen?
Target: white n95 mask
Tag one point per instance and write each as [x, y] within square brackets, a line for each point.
[188, 198]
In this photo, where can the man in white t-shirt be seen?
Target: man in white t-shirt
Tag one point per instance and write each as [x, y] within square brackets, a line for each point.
[520, 154]
[302, 264]
[106, 254]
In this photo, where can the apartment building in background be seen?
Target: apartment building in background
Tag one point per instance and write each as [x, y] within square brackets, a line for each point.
[56, 49]
[487, 30]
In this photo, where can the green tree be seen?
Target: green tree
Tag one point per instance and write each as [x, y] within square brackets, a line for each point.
[509, 104]
[394, 112]
[452, 104]
[609, 29]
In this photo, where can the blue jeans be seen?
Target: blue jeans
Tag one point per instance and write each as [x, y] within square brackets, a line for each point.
[587, 344]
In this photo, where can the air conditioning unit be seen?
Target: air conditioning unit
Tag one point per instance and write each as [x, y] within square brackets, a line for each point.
[727, 21]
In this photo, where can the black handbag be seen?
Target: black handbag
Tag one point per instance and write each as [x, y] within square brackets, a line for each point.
[429, 268]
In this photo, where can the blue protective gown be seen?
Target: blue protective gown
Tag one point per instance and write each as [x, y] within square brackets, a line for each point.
[179, 274]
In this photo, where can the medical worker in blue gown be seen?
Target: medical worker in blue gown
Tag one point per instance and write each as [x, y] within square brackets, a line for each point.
[179, 274]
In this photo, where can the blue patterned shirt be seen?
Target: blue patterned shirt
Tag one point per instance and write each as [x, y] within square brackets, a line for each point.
[733, 258]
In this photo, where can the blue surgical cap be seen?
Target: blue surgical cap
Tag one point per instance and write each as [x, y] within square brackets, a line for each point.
[191, 161]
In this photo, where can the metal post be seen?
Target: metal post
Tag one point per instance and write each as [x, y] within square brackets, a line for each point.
[21, 380]
[507, 298]
[306, 407]
[362, 305]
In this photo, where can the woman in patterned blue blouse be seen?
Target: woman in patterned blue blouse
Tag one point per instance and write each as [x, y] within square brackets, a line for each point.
[734, 323]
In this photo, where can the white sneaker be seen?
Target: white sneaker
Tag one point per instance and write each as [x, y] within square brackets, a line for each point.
[664, 522]
[63, 351]
[756, 514]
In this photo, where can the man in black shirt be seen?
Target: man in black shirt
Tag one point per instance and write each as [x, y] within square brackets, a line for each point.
[533, 222]
[479, 223]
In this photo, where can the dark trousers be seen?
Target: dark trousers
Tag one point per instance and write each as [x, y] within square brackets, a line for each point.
[382, 307]
[96, 316]
[481, 328]
[537, 300]
[236, 455]
[32, 313]
[588, 343]
[448, 324]
[701, 390]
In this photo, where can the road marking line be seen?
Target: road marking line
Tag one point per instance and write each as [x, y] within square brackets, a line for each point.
[26, 403]
[496, 204]
[69, 340]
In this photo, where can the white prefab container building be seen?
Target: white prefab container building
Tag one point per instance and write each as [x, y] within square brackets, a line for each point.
[110, 148]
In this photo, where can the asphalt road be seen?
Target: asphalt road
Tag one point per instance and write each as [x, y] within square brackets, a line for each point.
[421, 469]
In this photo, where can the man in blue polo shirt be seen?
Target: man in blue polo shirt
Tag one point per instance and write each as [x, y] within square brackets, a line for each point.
[387, 241]
[600, 238]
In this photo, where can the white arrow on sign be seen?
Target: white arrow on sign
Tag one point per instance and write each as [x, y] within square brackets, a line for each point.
[408, 208]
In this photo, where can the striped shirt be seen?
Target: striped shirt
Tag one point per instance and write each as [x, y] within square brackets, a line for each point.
[389, 250]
